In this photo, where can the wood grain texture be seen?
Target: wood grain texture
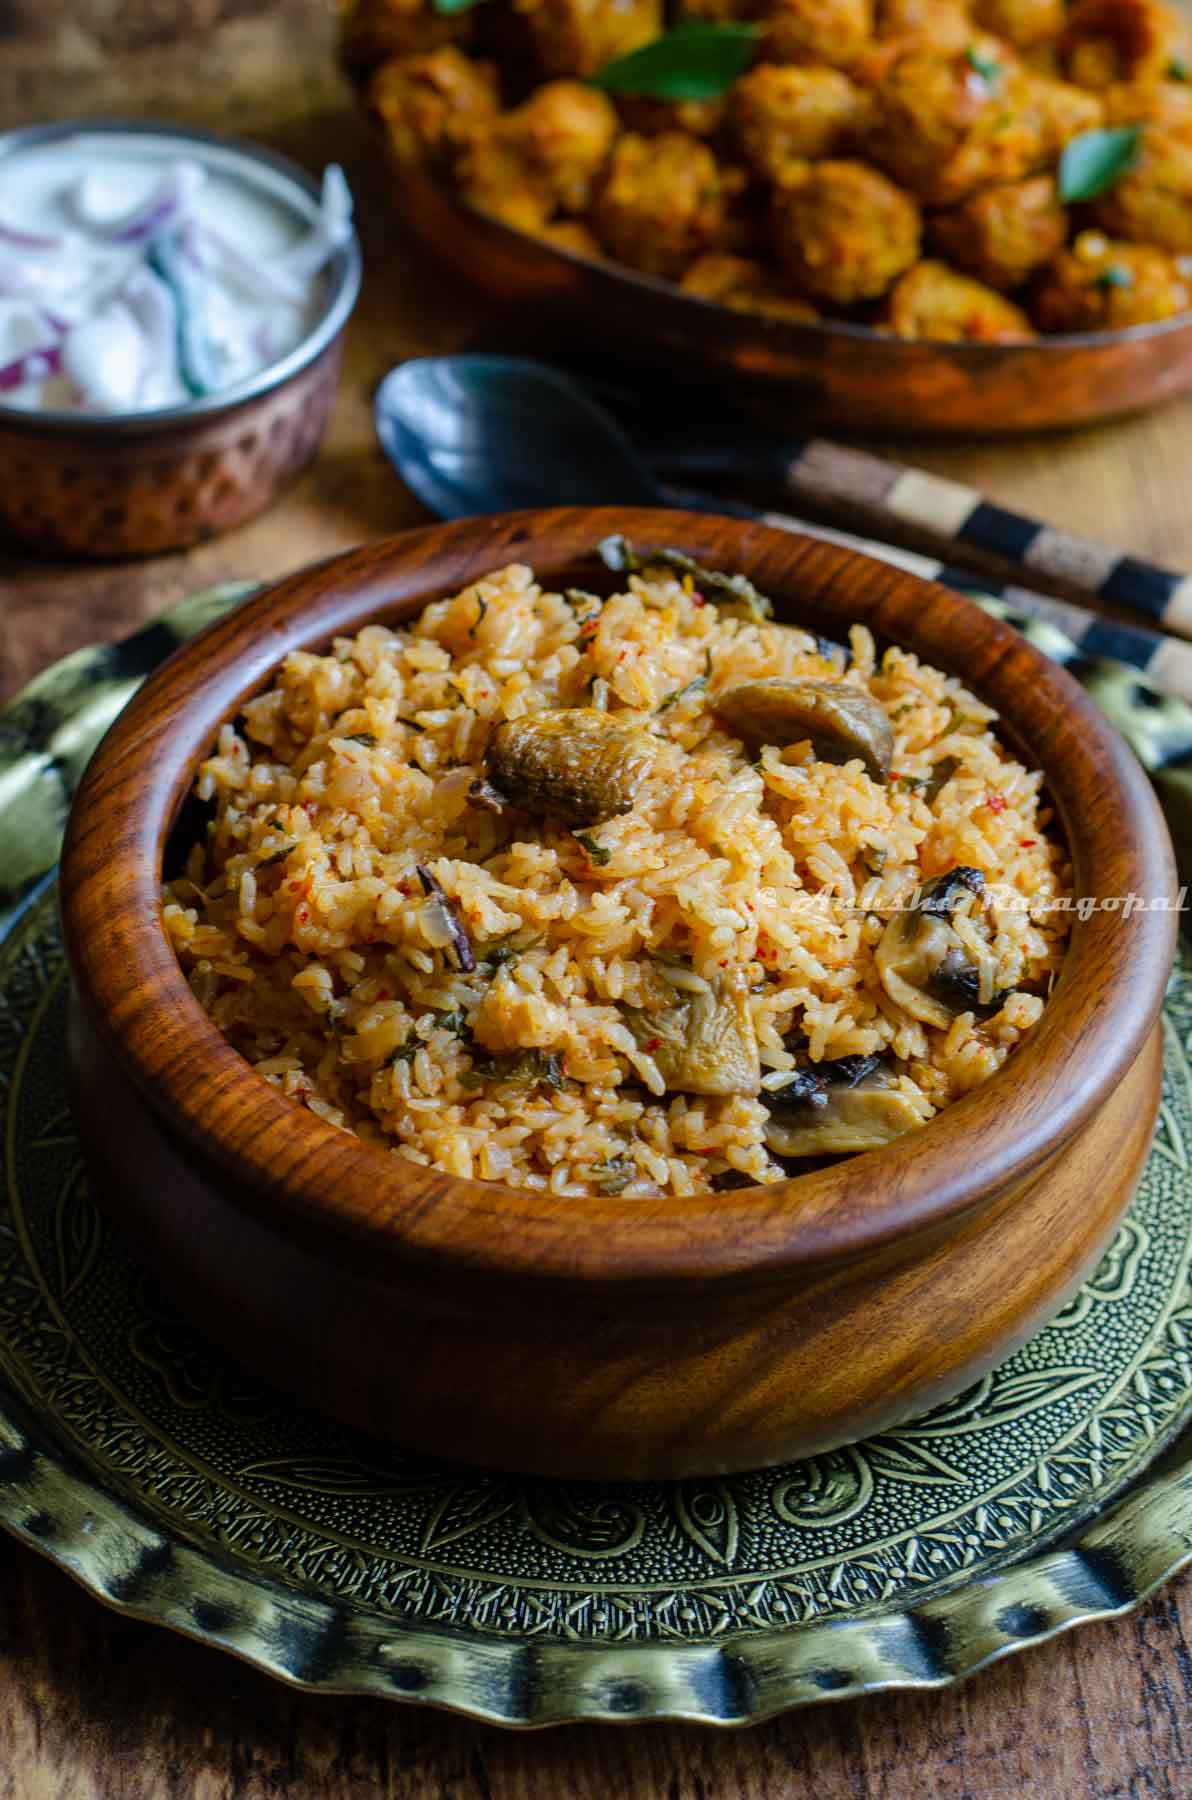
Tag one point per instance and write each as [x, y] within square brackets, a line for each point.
[711, 1336]
[95, 1707]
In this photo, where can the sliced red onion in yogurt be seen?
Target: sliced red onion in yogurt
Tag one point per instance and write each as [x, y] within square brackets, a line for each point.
[171, 198]
[32, 365]
[27, 240]
[155, 277]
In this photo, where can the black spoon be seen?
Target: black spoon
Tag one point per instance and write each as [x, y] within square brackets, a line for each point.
[477, 434]
[487, 434]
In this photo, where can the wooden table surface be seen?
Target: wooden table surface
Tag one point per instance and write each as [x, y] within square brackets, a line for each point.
[95, 1705]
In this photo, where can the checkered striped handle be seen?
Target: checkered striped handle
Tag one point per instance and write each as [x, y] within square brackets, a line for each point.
[1166, 661]
[968, 528]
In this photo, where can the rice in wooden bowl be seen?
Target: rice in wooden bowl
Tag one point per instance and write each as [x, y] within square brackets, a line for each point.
[557, 1044]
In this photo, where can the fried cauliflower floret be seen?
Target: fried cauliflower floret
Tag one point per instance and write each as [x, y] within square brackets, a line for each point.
[1098, 285]
[783, 115]
[1024, 23]
[1164, 104]
[830, 31]
[373, 31]
[428, 104]
[843, 233]
[1061, 111]
[698, 118]
[943, 27]
[496, 177]
[945, 125]
[746, 286]
[577, 37]
[1152, 201]
[1108, 41]
[664, 201]
[565, 131]
[941, 24]
[934, 301]
[1002, 234]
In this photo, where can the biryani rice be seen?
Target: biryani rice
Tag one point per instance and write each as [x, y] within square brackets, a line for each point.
[309, 938]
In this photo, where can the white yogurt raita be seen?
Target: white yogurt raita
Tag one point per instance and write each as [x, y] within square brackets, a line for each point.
[140, 271]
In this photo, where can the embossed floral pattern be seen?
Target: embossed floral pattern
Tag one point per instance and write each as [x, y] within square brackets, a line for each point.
[161, 1419]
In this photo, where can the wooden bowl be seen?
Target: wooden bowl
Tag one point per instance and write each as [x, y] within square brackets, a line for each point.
[139, 483]
[829, 374]
[597, 1337]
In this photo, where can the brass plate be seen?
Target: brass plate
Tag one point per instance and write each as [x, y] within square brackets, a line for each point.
[178, 1489]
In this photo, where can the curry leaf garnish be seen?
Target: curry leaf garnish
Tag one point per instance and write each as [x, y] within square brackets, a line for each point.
[695, 61]
[984, 66]
[405, 1052]
[734, 593]
[596, 852]
[456, 1022]
[532, 1067]
[482, 608]
[503, 951]
[1115, 277]
[613, 1175]
[1177, 69]
[445, 8]
[362, 737]
[677, 694]
[1092, 161]
[939, 778]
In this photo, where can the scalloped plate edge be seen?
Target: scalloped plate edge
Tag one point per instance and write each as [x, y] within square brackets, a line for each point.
[1109, 1568]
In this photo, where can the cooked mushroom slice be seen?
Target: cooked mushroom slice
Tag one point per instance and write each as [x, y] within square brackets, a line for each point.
[940, 897]
[702, 1043]
[838, 1108]
[577, 765]
[957, 983]
[840, 720]
[485, 796]
[733, 594]
[922, 964]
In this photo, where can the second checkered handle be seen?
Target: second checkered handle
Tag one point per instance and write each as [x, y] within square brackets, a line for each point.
[958, 524]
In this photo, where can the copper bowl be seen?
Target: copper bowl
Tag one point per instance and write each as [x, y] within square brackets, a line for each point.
[596, 1337]
[829, 374]
[138, 483]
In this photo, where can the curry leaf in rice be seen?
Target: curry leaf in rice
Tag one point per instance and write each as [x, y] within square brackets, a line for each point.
[729, 592]
[613, 1175]
[683, 693]
[528, 1068]
[681, 977]
[595, 852]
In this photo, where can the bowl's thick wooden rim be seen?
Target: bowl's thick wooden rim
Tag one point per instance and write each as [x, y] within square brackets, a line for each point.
[303, 1174]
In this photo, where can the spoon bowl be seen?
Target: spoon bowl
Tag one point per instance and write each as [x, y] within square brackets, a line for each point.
[471, 435]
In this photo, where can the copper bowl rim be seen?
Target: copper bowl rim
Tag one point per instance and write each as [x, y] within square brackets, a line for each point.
[295, 1169]
[345, 274]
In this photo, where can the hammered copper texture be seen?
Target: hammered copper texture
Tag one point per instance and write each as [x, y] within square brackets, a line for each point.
[86, 494]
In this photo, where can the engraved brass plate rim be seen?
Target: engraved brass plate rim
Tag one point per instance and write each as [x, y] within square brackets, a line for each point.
[65, 1496]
